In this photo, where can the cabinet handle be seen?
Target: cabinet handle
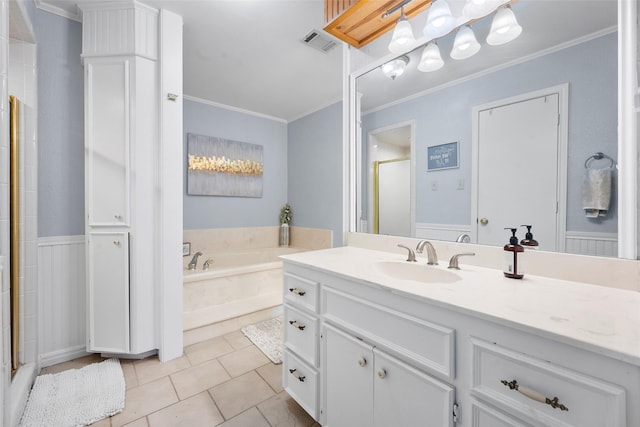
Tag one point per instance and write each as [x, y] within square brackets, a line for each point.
[295, 324]
[297, 291]
[117, 216]
[382, 373]
[296, 375]
[362, 362]
[532, 394]
[116, 242]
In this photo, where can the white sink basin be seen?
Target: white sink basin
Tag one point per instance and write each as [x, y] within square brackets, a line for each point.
[404, 270]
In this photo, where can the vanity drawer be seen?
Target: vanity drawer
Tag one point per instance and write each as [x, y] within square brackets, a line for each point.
[586, 401]
[301, 292]
[486, 416]
[301, 382]
[416, 340]
[301, 334]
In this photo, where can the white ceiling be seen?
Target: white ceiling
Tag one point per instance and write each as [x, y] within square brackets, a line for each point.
[248, 54]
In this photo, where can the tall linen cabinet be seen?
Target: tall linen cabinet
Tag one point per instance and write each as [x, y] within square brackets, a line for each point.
[132, 56]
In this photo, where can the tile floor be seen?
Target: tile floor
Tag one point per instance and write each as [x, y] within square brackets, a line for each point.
[224, 381]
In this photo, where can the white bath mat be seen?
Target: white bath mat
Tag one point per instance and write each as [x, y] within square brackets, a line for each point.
[76, 397]
[267, 336]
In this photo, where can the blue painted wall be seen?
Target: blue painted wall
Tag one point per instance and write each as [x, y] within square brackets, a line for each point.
[222, 212]
[60, 124]
[315, 170]
[445, 116]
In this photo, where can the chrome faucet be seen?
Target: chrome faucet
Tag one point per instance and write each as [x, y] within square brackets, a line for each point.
[432, 257]
[205, 266]
[453, 262]
[411, 257]
[194, 261]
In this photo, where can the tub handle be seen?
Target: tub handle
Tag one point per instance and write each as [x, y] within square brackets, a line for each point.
[296, 375]
[295, 324]
[297, 291]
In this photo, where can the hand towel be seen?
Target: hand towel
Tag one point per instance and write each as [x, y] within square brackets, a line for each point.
[596, 192]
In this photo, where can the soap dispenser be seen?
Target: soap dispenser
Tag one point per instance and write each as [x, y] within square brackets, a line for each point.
[528, 240]
[513, 253]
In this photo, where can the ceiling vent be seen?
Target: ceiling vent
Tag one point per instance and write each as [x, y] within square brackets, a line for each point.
[319, 41]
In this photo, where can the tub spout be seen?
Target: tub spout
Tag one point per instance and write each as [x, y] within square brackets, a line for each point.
[194, 261]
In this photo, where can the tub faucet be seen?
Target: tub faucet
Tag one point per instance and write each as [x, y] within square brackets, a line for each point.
[432, 258]
[194, 261]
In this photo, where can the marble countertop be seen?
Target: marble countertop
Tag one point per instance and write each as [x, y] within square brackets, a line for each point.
[597, 318]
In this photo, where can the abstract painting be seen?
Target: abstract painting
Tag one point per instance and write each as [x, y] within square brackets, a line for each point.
[223, 167]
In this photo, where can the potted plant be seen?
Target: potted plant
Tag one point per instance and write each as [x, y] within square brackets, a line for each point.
[286, 215]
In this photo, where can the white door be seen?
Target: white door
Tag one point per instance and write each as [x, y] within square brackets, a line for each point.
[349, 373]
[518, 171]
[394, 197]
[404, 396]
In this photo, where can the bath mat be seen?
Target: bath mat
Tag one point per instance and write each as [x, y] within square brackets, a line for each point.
[76, 397]
[267, 336]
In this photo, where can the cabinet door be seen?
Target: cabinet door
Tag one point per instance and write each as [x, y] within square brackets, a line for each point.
[404, 396]
[107, 141]
[108, 293]
[348, 381]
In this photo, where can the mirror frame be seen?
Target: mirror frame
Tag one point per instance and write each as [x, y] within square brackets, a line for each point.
[628, 184]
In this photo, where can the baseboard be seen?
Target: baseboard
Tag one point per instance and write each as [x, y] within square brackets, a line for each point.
[63, 355]
[19, 390]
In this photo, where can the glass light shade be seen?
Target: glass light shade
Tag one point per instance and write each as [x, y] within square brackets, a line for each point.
[504, 27]
[431, 59]
[474, 9]
[395, 68]
[440, 21]
[402, 38]
[465, 45]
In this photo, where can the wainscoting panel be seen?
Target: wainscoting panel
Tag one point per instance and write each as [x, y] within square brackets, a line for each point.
[61, 299]
[447, 232]
[599, 244]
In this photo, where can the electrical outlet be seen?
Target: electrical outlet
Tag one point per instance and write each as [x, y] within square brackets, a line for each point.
[434, 185]
[460, 184]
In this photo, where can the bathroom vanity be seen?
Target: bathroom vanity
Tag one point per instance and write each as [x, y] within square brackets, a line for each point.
[371, 340]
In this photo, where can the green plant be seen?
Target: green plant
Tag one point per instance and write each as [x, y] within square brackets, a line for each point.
[286, 213]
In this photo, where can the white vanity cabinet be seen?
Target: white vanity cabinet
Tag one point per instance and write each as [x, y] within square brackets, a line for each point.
[301, 361]
[391, 356]
[365, 386]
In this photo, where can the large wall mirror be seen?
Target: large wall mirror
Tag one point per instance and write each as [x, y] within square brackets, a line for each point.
[559, 78]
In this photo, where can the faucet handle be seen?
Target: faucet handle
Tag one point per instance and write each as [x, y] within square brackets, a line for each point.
[411, 257]
[453, 262]
[205, 266]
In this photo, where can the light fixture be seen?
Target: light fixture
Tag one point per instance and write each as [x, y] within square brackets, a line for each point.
[431, 59]
[465, 44]
[504, 27]
[474, 9]
[440, 21]
[395, 67]
[402, 38]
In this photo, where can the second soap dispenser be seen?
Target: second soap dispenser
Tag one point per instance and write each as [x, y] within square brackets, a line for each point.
[513, 254]
[528, 240]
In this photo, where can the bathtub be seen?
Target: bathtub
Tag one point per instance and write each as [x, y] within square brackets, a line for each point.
[237, 283]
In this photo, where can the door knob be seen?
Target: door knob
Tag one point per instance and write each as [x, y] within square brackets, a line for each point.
[484, 221]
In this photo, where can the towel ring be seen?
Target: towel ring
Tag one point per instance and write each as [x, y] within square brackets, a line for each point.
[599, 156]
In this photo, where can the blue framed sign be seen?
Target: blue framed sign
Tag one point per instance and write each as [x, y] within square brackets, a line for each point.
[443, 156]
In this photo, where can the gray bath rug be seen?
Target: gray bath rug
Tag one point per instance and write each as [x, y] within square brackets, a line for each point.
[267, 336]
[76, 397]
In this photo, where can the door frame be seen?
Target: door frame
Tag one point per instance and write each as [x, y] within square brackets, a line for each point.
[412, 167]
[563, 136]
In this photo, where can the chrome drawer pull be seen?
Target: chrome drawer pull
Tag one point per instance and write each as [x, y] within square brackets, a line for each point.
[295, 324]
[297, 291]
[532, 394]
[296, 375]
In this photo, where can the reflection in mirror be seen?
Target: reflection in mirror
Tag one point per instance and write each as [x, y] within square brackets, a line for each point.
[555, 50]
